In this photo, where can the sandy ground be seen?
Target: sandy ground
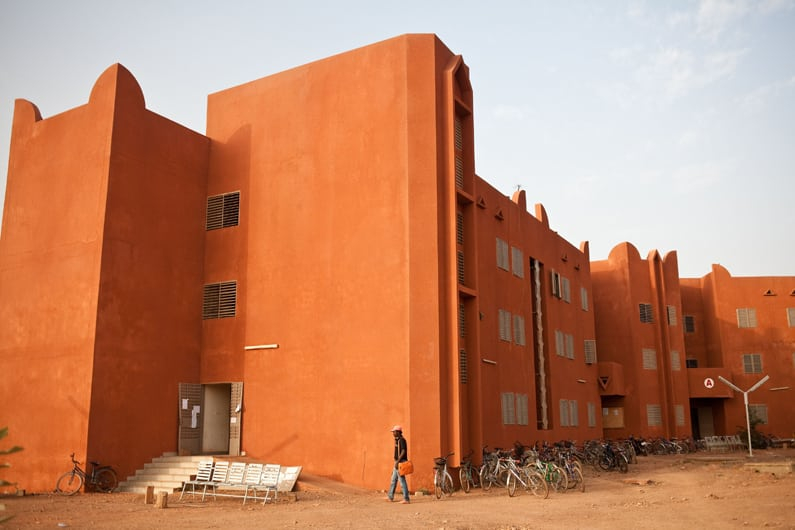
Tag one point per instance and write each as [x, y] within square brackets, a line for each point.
[701, 491]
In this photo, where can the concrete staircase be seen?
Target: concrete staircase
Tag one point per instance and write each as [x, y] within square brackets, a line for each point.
[165, 473]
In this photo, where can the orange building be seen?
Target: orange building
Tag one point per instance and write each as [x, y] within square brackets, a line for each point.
[665, 343]
[323, 263]
[742, 329]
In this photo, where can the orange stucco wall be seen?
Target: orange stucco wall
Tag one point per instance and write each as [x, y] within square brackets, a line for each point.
[93, 352]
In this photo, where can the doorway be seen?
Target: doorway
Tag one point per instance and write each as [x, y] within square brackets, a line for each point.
[210, 418]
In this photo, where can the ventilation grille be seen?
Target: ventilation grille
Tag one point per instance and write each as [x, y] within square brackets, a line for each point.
[462, 367]
[220, 300]
[223, 210]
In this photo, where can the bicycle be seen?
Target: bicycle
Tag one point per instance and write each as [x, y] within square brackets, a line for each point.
[468, 474]
[442, 481]
[103, 478]
[530, 480]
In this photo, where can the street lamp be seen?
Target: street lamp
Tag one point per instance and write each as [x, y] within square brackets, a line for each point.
[745, 398]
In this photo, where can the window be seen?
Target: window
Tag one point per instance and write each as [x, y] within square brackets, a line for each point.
[518, 330]
[556, 288]
[679, 412]
[508, 409]
[653, 415]
[758, 412]
[791, 317]
[569, 345]
[590, 351]
[459, 228]
[676, 363]
[459, 171]
[564, 412]
[223, 210]
[505, 325]
[646, 315]
[574, 417]
[560, 343]
[584, 298]
[460, 267]
[690, 324]
[502, 254]
[220, 300]
[752, 363]
[517, 262]
[746, 317]
[649, 359]
[522, 417]
[671, 315]
[691, 363]
[565, 289]
[591, 415]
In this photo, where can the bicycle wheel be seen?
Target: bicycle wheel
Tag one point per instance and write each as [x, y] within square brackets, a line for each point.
[447, 484]
[437, 484]
[106, 480]
[69, 483]
[537, 485]
[622, 463]
[463, 477]
[485, 481]
[559, 480]
[576, 479]
[511, 484]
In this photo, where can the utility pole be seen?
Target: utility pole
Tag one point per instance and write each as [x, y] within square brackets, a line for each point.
[745, 398]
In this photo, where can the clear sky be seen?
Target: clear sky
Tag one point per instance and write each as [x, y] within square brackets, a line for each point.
[668, 124]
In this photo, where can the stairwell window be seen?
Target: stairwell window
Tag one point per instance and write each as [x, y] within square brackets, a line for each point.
[671, 315]
[223, 210]
[220, 300]
[690, 324]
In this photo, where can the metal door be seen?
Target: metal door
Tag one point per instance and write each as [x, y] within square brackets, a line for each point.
[235, 417]
[190, 418]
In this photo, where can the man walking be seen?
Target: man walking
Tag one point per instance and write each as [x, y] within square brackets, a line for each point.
[401, 454]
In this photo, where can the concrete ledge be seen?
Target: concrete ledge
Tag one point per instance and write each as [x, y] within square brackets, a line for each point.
[771, 467]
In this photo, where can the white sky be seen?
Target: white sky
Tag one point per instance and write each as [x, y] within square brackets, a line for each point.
[670, 125]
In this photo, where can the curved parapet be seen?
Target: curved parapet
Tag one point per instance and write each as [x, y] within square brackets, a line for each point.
[541, 214]
[624, 250]
[585, 248]
[520, 199]
[25, 115]
[117, 82]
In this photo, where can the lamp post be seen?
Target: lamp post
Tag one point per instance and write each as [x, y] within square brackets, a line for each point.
[745, 399]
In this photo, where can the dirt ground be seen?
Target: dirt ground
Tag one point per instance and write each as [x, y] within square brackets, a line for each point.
[690, 491]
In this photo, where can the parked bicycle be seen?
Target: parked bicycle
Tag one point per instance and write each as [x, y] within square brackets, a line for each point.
[468, 474]
[442, 480]
[526, 477]
[102, 478]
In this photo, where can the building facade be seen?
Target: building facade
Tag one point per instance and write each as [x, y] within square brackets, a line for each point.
[322, 263]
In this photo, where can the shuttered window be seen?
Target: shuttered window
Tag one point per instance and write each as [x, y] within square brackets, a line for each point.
[505, 324]
[518, 330]
[646, 315]
[679, 412]
[522, 416]
[746, 317]
[590, 351]
[676, 362]
[584, 298]
[508, 409]
[690, 324]
[654, 415]
[502, 254]
[460, 267]
[649, 359]
[752, 363]
[791, 317]
[223, 210]
[591, 415]
[517, 262]
[220, 300]
[671, 315]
